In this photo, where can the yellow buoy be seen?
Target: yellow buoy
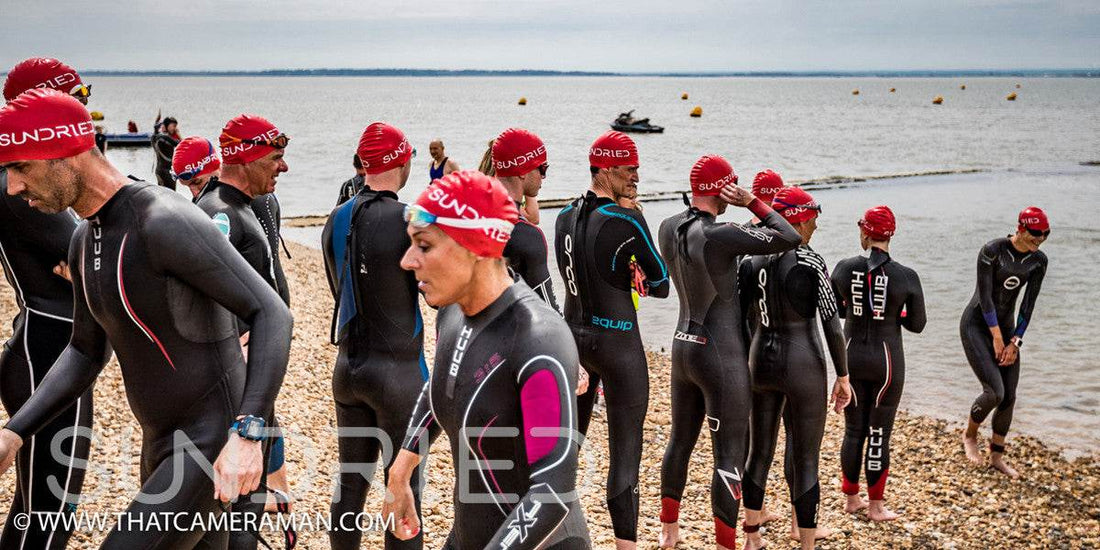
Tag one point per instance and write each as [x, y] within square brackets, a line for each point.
[684, 96]
[937, 100]
[96, 115]
[523, 101]
[892, 90]
[1011, 97]
[855, 92]
[962, 87]
[697, 111]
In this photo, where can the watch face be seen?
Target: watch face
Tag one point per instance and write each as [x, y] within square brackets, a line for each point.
[254, 430]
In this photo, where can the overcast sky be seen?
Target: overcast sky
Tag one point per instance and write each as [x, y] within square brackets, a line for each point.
[590, 35]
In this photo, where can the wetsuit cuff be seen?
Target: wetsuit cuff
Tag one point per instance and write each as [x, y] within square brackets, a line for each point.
[759, 208]
[990, 318]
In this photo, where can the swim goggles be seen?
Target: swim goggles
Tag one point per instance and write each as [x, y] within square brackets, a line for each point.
[418, 217]
[543, 168]
[1038, 232]
[278, 142]
[788, 206]
[190, 174]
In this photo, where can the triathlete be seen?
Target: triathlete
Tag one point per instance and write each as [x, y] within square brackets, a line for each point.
[992, 331]
[380, 367]
[164, 146]
[195, 163]
[766, 184]
[595, 239]
[32, 245]
[349, 188]
[710, 373]
[519, 158]
[787, 293]
[152, 275]
[440, 165]
[502, 383]
[877, 297]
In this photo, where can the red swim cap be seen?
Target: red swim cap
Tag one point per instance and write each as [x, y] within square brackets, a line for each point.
[766, 184]
[878, 223]
[382, 148]
[710, 174]
[1033, 217]
[44, 124]
[795, 205]
[235, 139]
[613, 149]
[516, 152]
[469, 196]
[41, 72]
[195, 157]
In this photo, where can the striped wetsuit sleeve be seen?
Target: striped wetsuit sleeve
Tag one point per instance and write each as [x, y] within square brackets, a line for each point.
[422, 425]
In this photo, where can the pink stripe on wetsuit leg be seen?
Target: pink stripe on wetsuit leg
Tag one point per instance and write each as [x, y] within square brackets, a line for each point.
[541, 407]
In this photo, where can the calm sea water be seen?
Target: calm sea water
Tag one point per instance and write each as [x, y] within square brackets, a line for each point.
[807, 129]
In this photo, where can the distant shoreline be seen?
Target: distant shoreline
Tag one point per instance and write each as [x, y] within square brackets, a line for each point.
[970, 73]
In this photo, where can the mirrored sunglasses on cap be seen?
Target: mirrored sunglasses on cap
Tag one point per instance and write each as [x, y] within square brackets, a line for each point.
[81, 91]
[418, 217]
[278, 142]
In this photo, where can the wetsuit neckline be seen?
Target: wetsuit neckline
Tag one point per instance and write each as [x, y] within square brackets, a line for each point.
[384, 192]
[108, 206]
[503, 302]
[591, 197]
[241, 195]
[877, 259]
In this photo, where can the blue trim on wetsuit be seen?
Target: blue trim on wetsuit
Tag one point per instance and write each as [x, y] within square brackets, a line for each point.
[1021, 326]
[990, 318]
[416, 332]
[277, 456]
[664, 270]
[567, 208]
[341, 230]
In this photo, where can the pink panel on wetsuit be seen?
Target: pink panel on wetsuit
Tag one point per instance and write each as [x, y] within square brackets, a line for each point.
[541, 409]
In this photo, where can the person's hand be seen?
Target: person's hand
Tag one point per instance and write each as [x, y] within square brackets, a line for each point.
[582, 381]
[238, 468]
[62, 270]
[842, 394]
[10, 443]
[400, 505]
[1008, 354]
[736, 196]
[998, 343]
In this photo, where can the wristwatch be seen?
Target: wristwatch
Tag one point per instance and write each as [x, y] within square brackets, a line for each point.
[250, 428]
[1017, 341]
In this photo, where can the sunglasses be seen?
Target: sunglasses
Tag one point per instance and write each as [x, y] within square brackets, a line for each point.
[543, 168]
[82, 91]
[278, 142]
[418, 217]
[1038, 233]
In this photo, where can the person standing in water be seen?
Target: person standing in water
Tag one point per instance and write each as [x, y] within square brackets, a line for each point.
[877, 297]
[992, 331]
[165, 140]
[441, 165]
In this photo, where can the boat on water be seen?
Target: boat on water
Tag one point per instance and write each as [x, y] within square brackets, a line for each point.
[130, 139]
[627, 123]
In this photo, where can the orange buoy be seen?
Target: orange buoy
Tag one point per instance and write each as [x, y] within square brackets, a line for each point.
[892, 90]
[962, 87]
[523, 101]
[1011, 97]
[684, 96]
[938, 100]
[855, 92]
[697, 112]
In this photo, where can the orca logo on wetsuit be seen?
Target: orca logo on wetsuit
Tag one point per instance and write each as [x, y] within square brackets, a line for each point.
[1012, 283]
[762, 283]
[570, 275]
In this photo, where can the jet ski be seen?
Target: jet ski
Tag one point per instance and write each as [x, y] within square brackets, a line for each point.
[627, 123]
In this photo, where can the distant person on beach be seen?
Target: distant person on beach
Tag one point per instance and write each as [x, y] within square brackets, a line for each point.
[440, 165]
[519, 157]
[132, 127]
[710, 370]
[595, 239]
[529, 206]
[993, 332]
[877, 297]
[502, 383]
[351, 187]
[195, 162]
[377, 328]
[788, 293]
[165, 140]
[100, 139]
[34, 250]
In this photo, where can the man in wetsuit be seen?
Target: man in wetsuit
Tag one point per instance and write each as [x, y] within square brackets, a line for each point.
[349, 188]
[594, 241]
[992, 335]
[787, 293]
[165, 140]
[878, 296]
[195, 162]
[502, 383]
[440, 165]
[519, 158]
[380, 367]
[33, 245]
[710, 373]
[155, 278]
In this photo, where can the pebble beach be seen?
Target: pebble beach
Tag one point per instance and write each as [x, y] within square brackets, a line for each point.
[944, 502]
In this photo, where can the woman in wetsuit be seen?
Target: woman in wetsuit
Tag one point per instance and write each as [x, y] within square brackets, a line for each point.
[710, 374]
[502, 385]
[877, 297]
[992, 335]
[787, 293]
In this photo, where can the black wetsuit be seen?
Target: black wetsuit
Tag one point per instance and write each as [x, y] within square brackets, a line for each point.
[164, 146]
[877, 297]
[787, 293]
[31, 244]
[152, 275]
[380, 367]
[1002, 272]
[502, 388]
[527, 253]
[349, 188]
[594, 241]
[710, 371]
[266, 208]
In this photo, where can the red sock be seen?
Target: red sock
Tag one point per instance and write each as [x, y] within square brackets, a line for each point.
[725, 535]
[670, 510]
